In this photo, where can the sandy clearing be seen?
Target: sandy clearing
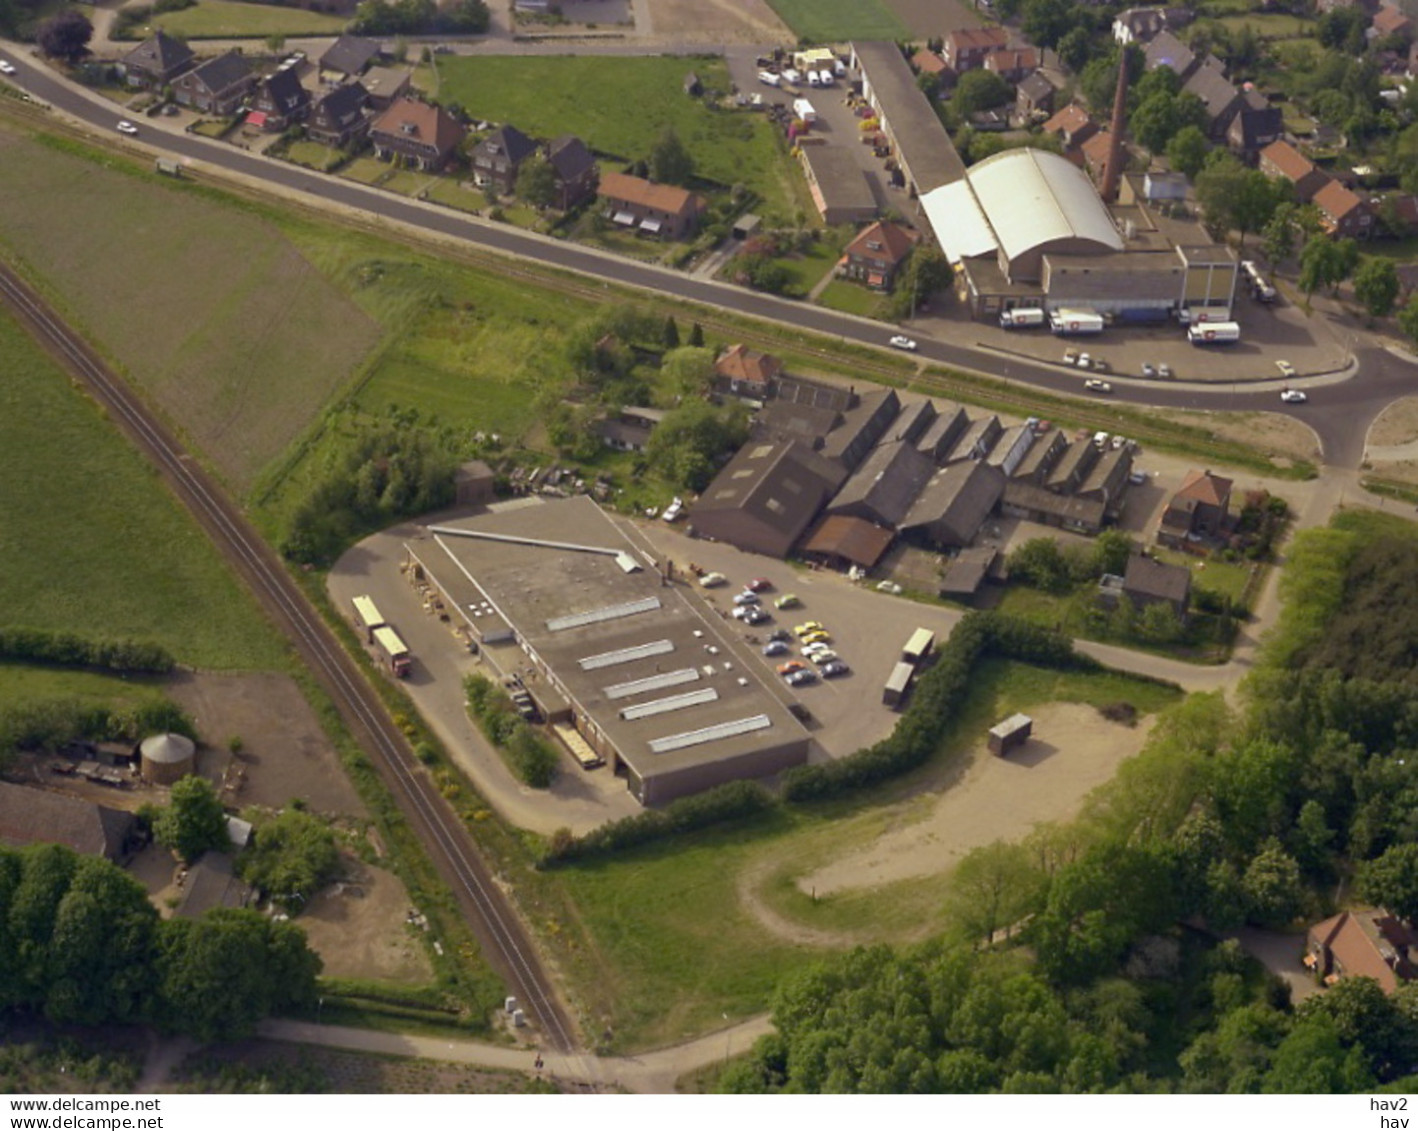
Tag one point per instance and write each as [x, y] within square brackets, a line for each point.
[718, 22]
[1267, 432]
[358, 927]
[1397, 424]
[1074, 750]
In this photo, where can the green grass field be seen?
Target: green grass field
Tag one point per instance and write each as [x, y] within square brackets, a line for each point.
[91, 539]
[835, 21]
[228, 19]
[590, 95]
[23, 683]
[234, 335]
[852, 298]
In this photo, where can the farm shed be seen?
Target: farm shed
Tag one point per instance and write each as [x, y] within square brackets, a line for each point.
[1014, 731]
[167, 757]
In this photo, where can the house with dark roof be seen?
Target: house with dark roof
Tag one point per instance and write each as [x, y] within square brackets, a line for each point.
[766, 496]
[644, 207]
[1368, 943]
[1343, 212]
[1218, 95]
[212, 883]
[1035, 95]
[1257, 124]
[953, 505]
[1281, 159]
[968, 571]
[338, 116]
[1169, 51]
[1071, 125]
[965, 49]
[862, 426]
[497, 159]
[877, 253]
[280, 101]
[746, 372]
[788, 420]
[1147, 581]
[1199, 509]
[37, 816]
[884, 485]
[841, 540]
[575, 169]
[217, 86]
[349, 55]
[156, 61]
[1013, 64]
[629, 429]
[1039, 460]
[426, 136]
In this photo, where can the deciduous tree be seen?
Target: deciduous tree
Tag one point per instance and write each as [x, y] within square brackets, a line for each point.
[193, 821]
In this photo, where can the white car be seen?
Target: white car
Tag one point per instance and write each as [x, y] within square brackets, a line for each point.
[768, 78]
[1293, 396]
[1286, 369]
[127, 127]
[712, 580]
[888, 586]
[902, 342]
[1095, 385]
[1084, 361]
[6, 67]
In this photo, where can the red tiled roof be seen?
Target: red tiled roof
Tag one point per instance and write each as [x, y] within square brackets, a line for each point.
[1068, 120]
[1289, 160]
[1203, 487]
[845, 536]
[927, 62]
[968, 37]
[1336, 201]
[430, 124]
[896, 242]
[1097, 147]
[635, 190]
[1356, 941]
[1012, 59]
[739, 363]
[1388, 20]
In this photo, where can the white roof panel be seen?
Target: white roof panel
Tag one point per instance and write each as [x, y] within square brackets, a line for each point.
[1033, 197]
[960, 225]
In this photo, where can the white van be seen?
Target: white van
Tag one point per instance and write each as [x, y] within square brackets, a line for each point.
[812, 79]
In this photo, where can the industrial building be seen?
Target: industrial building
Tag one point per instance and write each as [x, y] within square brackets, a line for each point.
[610, 648]
[766, 496]
[924, 151]
[839, 187]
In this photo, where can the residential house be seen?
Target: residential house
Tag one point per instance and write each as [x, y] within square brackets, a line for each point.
[156, 61]
[338, 116]
[1096, 151]
[1391, 21]
[1013, 64]
[927, 62]
[1257, 124]
[1169, 51]
[212, 883]
[629, 429]
[1218, 95]
[1150, 582]
[427, 136]
[965, 49]
[1035, 95]
[1072, 125]
[1199, 510]
[349, 55]
[36, 816]
[911, 423]
[216, 87]
[747, 372]
[386, 85]
[1368, 943]
[1281, 159]
[877, 253]
[1343, 212]
[497, 159]
[766, 496]
[654, 210]
[575, 170]
[279, 101]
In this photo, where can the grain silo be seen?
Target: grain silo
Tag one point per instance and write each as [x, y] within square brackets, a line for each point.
[167, 757]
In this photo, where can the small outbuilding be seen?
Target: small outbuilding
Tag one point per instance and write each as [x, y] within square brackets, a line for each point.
[474, 482]
[167, 757]
[1014, 731]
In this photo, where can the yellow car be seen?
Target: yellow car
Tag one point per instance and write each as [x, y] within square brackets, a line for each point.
[808, 626]
[816, 636]
[787, 601]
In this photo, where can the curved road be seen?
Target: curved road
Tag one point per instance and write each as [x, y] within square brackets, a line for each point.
[1339, 412]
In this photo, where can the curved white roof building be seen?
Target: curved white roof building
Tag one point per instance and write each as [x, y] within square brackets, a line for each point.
[1021, 204]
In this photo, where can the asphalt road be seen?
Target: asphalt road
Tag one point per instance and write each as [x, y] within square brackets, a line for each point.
[1339, 412]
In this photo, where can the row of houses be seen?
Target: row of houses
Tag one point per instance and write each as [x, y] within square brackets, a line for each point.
[1343, 212]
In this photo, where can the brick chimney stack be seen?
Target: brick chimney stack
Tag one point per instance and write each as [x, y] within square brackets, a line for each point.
[1113, 172]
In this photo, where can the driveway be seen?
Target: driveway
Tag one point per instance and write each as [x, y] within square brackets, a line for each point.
[1280, 954]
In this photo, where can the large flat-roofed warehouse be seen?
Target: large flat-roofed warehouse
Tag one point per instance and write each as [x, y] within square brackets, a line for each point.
[927, 156]
[604, 642]
[839, 187]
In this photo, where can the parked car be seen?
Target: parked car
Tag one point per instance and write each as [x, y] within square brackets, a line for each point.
[747, 597]
[1070, 356]
[902, 342]
[752, 614]
[823, 656]
[713, 580]
[888, 587]
[780, 634]
[127, 127]
[787, 601]
[1095, 385]
[758, 585]
[1164, 371]
[1293, 396]
[1148, 369]
[798, 679]
[1085, 361]
[791, 666]
[775, 648]
[1286, 369]
[818, 636]
[768, 78]
[806, 627]
[833, 668]
[6, 67]
[674, 510]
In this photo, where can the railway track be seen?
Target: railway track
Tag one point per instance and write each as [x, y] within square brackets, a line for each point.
[494, 922]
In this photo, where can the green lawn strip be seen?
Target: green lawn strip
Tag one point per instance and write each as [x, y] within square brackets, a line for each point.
[830, 21]
[545, 96]
[806, 270]
[368, 171]
[228, 19]
[449, 192]
[1231, 579]
[92, 540]
[22, 684]
[1269, 25]
[312, 155]
[852, 298]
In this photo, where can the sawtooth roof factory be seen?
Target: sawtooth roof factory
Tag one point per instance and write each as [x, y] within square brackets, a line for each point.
[608, 645]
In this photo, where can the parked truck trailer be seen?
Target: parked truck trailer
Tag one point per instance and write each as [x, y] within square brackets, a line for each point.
[1214, 333]
[1022, 318]
[396, 652]
[1075, 323]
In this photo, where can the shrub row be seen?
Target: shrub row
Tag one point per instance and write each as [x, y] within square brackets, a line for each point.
[936, 700]
[530, 756]
[726, 802]
[47, 724]
[42, 646]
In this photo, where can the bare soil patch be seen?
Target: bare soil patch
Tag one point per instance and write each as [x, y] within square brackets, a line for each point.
[1403, 470]
[357, 926]
[1397, 424]
[718, 21]
[1074, 750]
[284, 753]
[927, 18]
[1266, 432]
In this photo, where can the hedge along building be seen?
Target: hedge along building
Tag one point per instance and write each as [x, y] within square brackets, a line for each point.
[606, 641]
